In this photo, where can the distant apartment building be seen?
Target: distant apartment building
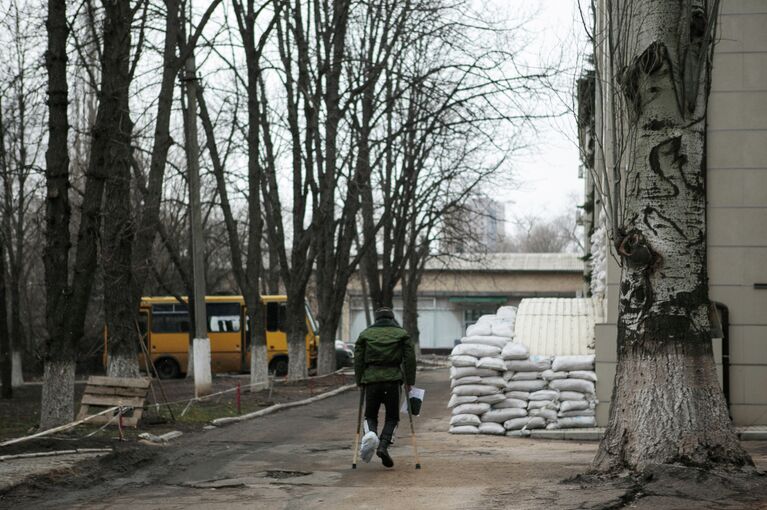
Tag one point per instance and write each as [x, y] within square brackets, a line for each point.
[478, 227]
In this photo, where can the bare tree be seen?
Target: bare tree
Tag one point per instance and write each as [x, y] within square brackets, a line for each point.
[652, 66]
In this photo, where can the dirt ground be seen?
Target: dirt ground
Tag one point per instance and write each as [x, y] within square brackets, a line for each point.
[301, 458]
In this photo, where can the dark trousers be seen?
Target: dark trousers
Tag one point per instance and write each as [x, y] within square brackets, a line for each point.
[386, 393]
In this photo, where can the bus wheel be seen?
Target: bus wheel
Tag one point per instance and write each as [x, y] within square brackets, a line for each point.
[279, 366]
[167, 368]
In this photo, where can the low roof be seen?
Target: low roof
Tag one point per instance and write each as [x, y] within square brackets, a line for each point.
[558, 326]
[556, 262]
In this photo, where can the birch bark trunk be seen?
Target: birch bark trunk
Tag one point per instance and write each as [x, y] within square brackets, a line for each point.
[667, 406]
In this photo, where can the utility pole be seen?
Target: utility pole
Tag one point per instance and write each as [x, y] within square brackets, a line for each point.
[201, 342]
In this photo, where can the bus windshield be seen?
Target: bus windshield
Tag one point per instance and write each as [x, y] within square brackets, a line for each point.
[310, 316]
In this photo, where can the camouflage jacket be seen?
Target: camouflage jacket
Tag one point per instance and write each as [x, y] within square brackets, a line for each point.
[384, 352]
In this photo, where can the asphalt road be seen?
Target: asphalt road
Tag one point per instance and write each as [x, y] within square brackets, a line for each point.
[301, 458]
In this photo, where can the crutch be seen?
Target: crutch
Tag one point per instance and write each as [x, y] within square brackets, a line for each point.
[359, 425]
[412, 430]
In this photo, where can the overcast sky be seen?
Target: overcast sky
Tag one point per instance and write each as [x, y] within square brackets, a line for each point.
[547, 176]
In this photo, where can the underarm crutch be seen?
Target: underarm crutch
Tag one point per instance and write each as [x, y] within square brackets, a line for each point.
[359, 424]
[412, 430]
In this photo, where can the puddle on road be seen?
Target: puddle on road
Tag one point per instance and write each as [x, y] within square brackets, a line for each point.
[282, 473]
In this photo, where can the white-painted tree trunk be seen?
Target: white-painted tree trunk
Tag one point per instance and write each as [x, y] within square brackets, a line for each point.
[297, 360]
[667, 406]
[17, 374]
[203, 382]
[120, 365]
[259, 367]
[58, 399]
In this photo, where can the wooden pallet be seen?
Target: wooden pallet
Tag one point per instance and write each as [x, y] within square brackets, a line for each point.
[104, 392]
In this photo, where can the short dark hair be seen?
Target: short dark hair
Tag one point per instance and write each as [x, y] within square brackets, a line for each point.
[384, 313]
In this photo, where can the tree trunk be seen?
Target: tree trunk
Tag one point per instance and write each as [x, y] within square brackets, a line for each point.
[59, 362]
[6, 386]
[17, 372]
[117, 242]
[410, 310]
[296, 333]
[667, 406]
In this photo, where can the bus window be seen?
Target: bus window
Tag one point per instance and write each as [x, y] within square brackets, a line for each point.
[275, 316]
[170, 318]
[223, 317]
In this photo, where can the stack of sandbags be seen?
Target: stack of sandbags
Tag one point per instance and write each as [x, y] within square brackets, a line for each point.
[526, 388]
[575, 383]
[476, 376]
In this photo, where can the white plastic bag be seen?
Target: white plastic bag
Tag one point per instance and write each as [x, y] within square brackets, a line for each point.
[368, 444]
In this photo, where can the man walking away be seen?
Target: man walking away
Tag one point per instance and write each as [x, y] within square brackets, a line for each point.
[384, 358]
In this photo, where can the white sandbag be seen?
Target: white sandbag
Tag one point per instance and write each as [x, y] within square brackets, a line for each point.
[465, 419]
[508, 375]
[491, 363]
[583, 374]
[469, 379]
[493, 381]
[495, 341]
[506, 312]
[503, 328]
[550, 375]
[573, 405]
[501, 415]
[536, 423]
[479, 329]
[542, 404]
[544, 395]
[511, 403]
[573, 385]
[577, 422]
[516, 423]
[534, 363]
[554, 425]
[536, 385]
[458, 372]
[571, 395]
[581, 412]
[486, 319]
[463, 361]
[547, 414]
[514, 350]
[492, 428]
[475, 389]
[476, 408]
[521, 395]
[456, 400]
[571, 363]
[476, 350]
[464, 429]
[492, 399]
[525, 376]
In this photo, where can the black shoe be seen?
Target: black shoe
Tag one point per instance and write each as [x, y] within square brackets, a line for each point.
[383, 453]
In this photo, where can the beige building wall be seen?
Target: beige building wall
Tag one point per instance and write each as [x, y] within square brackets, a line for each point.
[737, 214]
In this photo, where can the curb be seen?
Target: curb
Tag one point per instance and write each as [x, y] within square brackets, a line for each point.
[4, 458]
[278, 407]
[595, 434]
